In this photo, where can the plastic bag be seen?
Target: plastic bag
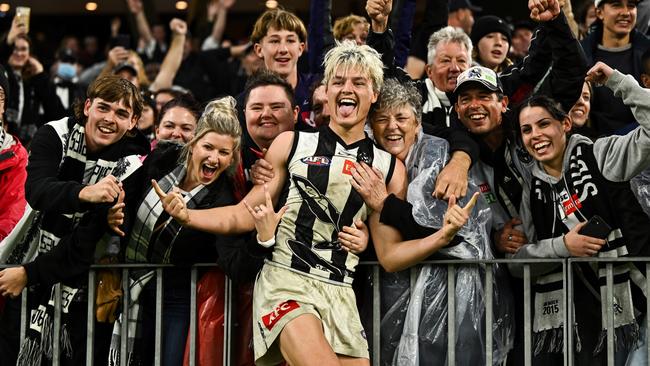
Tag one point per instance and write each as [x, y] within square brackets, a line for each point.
[640, 185]
[424, 336]
[210, 317]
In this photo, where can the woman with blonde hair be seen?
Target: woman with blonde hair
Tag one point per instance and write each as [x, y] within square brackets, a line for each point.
[201, 171]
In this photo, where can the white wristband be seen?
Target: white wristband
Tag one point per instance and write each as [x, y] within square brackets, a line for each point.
[266, 244]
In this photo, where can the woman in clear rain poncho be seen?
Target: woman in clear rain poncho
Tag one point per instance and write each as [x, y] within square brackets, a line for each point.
[414, 322]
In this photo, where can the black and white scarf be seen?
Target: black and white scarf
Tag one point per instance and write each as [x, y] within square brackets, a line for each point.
[150, 218]
[41, 231]
[558, 206]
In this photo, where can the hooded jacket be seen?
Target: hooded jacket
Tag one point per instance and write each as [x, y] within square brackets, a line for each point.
[596, 175]
[13, 161]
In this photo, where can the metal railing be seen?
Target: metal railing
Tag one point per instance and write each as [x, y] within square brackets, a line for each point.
[451, 265]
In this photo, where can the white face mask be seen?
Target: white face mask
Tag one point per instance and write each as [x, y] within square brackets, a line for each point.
[66, 71]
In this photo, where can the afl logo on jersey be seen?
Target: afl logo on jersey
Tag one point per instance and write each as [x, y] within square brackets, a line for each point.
[316, 160]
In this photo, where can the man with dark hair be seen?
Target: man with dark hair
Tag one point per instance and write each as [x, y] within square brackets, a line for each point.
[269, 110]
[614, 41]
[77, 168]
[461, 14]
[522, 35]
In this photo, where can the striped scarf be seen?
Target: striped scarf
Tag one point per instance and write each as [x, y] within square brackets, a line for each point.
[42, 231]
[556, 208]
[141, 249]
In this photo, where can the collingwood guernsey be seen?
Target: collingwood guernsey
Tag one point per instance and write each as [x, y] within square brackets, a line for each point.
[321, 202]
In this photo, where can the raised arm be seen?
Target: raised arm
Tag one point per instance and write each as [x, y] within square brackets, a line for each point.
[144, 31]
[218, 27]
[435, 18]
[395, 254]
[620, 158]
[319, 33]
[173, 58]
[569, 63]
[233, 219]
[404, 20]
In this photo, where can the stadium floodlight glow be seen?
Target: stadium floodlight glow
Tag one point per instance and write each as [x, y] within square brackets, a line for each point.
[271, 4]
[181, 5]
[91, 6]
[4, 7]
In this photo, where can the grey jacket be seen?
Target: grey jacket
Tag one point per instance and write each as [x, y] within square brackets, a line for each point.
[619, 158]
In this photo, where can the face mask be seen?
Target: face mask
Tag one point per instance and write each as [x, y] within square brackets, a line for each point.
[66, 71]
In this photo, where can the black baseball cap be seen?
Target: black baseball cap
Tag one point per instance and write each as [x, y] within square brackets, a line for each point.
[463, 4]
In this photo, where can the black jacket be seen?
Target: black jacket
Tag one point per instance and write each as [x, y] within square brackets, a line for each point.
[237, 255]
[45, 191]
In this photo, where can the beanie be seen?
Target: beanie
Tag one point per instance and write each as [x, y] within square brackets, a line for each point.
[488, 24]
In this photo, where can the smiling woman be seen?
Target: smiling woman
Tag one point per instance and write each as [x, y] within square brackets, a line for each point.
[198, 171]
[574, 181]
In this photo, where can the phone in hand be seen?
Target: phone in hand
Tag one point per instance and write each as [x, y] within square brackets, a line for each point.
[596, 227]
[22, 13]
[123, 40]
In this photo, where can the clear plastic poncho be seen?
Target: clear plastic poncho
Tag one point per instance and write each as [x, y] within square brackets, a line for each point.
[641, 187]
[416, 322]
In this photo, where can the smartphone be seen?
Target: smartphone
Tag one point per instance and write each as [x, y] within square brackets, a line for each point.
[123, 40]
[596, 227]
[22, 13]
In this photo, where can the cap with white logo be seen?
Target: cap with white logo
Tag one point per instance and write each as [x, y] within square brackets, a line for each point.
[478, 75]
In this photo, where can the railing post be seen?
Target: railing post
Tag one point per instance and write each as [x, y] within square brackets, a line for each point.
[193, 317]
[451, 315]
[610, 313]
[157, 359]
[227, 321]
[56, 327]
[488, 313]
[90, 321]
[528, 329]
[376, 316]
[647, 313]
[124, 354]
[567, 305]
[23, 314]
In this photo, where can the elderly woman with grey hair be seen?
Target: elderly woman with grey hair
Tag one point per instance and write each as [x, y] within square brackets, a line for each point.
[414, 320]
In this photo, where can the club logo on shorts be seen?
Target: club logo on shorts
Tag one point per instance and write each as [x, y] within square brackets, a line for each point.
[281, 310]
[316, 160]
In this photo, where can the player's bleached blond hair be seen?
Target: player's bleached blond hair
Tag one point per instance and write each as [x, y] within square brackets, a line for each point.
[348, 55]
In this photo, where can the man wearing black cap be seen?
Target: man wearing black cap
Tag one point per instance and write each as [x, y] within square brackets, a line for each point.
[614, 41]
[461, 14]
[127, 71]
[521, 37]
[481, 106]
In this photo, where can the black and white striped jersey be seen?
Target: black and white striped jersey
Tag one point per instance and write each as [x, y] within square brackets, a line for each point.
[322, 201]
